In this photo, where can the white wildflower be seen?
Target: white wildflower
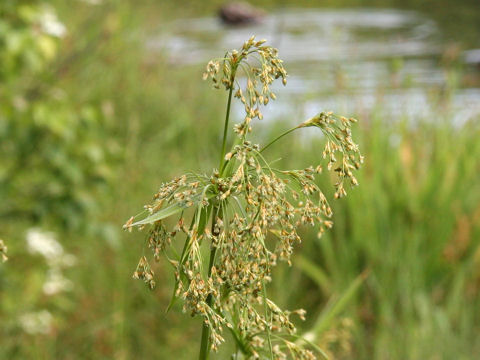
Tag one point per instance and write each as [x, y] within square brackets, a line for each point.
[45, 244]
[50, 24]
[68, 260]
[40, 322]
[56, 282]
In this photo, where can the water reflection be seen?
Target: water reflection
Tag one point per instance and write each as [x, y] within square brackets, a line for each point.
[347, 60]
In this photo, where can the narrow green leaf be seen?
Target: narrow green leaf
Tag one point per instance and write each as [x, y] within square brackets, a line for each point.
[338, 305]
[242, 345]
[173, 299]
[314, 272]
[203, 219]
[316, 347]
[162, 214]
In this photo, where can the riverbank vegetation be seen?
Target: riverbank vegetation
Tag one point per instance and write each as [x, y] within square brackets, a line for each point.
[92, 123]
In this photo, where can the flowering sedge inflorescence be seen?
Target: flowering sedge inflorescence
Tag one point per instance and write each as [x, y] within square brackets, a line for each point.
[337, 130]
[247, 213]
[260, 74]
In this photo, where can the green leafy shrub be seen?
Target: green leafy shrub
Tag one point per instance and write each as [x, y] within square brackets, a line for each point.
[54, 150]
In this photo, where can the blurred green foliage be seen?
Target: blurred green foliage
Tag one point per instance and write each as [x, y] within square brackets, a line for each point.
[56, 152]
[415, 224]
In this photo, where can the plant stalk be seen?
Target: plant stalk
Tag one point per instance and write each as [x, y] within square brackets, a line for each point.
[280, 136]
[269, 320]
[225, 127]
[205, 341]
[227, 115]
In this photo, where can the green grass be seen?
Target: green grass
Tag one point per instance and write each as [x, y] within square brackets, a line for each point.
[414, 224]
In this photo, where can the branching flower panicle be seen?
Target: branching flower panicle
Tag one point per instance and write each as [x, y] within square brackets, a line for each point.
[337, 130]
[261, 66]
[247, 213]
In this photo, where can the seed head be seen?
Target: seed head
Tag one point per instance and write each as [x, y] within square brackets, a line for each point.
[237, 208]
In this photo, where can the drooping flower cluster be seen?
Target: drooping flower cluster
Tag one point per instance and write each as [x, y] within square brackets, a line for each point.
[337, 130]
[260, 74]
[247, 213]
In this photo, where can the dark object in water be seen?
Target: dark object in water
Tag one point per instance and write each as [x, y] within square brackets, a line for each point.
[240, 13]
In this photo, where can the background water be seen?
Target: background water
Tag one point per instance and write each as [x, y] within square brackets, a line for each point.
[344, 60]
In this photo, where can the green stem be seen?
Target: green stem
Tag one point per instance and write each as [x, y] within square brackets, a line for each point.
[225, 127]
[269, 320]
[280, 136]
[205, 341]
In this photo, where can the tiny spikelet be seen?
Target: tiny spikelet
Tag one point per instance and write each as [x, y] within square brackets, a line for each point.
[144, 272]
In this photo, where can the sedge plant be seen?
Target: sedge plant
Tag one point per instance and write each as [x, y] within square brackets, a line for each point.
[246, 214]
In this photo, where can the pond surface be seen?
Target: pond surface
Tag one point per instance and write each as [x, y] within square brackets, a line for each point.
[356, 61]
